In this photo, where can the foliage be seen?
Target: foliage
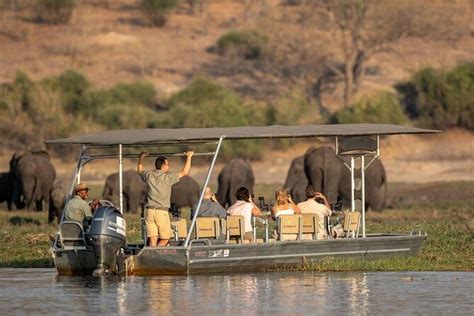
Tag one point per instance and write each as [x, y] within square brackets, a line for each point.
[54, 11]
[123, 116]
[243, 44]
[439, 98]
[204, 103]
[383, 107]
[156, 10]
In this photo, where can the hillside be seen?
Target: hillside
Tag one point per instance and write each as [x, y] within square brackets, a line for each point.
[111, 44]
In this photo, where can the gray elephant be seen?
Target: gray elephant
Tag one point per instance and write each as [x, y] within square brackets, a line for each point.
[332, 178]
[296, 180]
[375, 185]
[57, 199]
[323, 170]
[185, 193]
[237, 173]
[133, 189]
[32, 175]
[5, 190]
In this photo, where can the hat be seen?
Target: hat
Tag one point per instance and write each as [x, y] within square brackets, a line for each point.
[81, 187]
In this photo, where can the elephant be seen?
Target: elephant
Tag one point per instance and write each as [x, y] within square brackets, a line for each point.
[185, 193]
[296, 180]
[133, 189]
[237, 173]
[323, 170]
[32, 175]
[375, 185]
[333, 179]
[5, 190]
[57, 199]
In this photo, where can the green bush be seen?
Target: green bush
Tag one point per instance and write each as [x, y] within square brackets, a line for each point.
[123, 116]
[156, 11]
[243, 44]
[205, 103]
[134, 93]
[439, 98]
[54, 11]
[383, 107]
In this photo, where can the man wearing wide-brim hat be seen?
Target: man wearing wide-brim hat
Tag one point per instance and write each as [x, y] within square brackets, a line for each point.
[77, 209]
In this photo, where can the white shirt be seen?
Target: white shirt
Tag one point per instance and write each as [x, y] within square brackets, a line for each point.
[244, 209]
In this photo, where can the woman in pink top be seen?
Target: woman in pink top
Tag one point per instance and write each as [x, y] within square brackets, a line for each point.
[245, 207]
[284, 204]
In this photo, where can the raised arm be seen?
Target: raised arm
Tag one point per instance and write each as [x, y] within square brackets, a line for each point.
[140, 161]
[187, 165]
[293, 205]
[255, 210]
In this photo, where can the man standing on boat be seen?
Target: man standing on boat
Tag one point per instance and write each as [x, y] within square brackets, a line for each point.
[159, 182]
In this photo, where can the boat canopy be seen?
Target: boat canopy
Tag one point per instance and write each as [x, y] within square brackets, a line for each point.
[151, 136]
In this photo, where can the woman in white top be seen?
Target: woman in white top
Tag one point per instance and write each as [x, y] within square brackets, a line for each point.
[245, 207]
[284, 204]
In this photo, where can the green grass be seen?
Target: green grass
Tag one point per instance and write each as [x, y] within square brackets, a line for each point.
[444, 211]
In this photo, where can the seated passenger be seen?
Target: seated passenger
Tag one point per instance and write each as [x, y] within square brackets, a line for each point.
[245, 207]
[210, 207]
[310, 206]
[77, 209]
[284, 204]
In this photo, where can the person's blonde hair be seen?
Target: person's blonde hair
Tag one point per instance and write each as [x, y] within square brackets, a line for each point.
[281, 196]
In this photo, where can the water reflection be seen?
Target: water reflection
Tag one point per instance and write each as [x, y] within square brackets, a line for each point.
[42, 291]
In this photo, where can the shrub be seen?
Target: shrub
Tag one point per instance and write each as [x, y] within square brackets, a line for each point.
[205, 103]
[118, 116]
[243, 44]
[383, 107]
[441, 99]
[54, 11]
[156, 11]
[134, 93]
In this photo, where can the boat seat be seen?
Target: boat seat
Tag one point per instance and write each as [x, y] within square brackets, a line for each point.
[310, 226]
[179, 228]
[290, 227]
[235, 229]
[351, 224]
[208, 227]
[71, 236]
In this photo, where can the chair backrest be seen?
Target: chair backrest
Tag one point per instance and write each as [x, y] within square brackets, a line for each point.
[235, 227]
[71, 234]
[207, 227]
[310, 226]
[290, 227]
[351, 222]
[179, 228]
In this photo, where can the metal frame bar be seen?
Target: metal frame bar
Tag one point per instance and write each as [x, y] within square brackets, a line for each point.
[363, 169]
[120, 165]
[198, 207]
[76, 179]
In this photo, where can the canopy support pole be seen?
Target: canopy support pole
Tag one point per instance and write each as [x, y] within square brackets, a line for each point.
[208, 177]
[76, 179]
[120, 165]
[362, 176]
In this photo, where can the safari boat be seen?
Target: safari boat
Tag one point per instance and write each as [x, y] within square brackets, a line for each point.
[103, 248]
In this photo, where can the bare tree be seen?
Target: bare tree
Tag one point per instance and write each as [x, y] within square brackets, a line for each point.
[360, 29]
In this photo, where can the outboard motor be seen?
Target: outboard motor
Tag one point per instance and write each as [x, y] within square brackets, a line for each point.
[107, 236]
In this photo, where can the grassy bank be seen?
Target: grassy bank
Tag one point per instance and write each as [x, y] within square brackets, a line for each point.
[445, 211]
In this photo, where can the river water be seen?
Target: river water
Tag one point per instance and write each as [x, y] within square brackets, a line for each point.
[42, 291]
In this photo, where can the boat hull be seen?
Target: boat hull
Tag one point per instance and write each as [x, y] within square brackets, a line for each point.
[231, 258]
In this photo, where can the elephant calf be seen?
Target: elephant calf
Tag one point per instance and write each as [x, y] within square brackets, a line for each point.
[57, 199]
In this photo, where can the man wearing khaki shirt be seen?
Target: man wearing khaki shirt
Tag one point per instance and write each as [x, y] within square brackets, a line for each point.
[159, 182]
[310, 206]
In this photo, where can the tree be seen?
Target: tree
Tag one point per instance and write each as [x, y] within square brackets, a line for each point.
[361, 29]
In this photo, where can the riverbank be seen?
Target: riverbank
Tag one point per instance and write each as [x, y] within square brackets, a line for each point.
[445, 211]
